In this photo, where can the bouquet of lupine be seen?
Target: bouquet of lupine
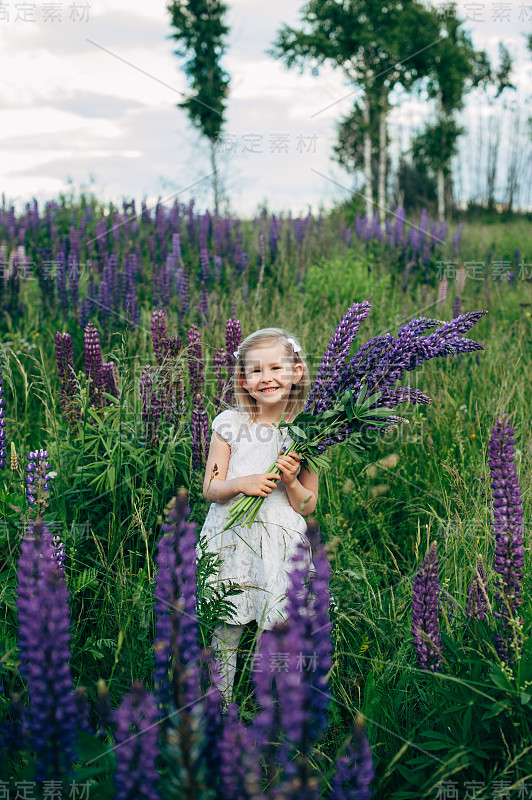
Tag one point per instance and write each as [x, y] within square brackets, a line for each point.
[350, 397]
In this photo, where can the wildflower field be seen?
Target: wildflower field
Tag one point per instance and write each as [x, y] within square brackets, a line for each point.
[404, 669]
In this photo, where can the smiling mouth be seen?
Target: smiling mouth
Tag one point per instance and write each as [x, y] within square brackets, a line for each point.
[269, 390]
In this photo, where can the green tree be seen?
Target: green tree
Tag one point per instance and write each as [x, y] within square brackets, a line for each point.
[377, 44]
[199, 29]
[454, 68]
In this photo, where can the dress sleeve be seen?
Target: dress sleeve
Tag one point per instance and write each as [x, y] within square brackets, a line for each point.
[224, 425]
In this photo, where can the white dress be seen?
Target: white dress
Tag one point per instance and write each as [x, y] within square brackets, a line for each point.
[257, 558]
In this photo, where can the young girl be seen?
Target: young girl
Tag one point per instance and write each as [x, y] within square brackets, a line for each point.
[270, 378]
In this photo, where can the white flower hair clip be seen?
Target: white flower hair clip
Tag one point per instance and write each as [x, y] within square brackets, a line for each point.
[296, 347]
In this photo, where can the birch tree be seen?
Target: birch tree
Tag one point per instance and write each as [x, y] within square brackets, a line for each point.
[199, 29]
[377, 44]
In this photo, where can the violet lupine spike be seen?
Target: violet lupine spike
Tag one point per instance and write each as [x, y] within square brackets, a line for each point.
[196, 366]
[61, 280]
[218, 363]
[152, 403]
[73, 280]
[183, 292]
[336, 353]
[299, 653]
[425, 597]
[383, 360]
[508, 532]
[477, 600]
[3, 453]
[65, 367]
[110, 378]
[44, 641]
[204, 303]
[37, 476]
[212, 723]
[320, 634]
[457, 307]
[176, 642]
[199, 432]
[354, 772]
[136, 746]
[82, 710]
[233, 338]
[93, 364]
[240, 774]
[158, 334]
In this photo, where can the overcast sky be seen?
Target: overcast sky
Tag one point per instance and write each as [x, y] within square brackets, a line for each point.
[88, 94]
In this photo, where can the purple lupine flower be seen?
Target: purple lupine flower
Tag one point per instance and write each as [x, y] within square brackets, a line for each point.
[158, 333]
[73, 280]
[65, 367]
[110, 378]
[425, 596]
[44, 641]
[240, 773]
[82, 710]
[37, 477]
[457, 307]
[423, 225]
[183, 291]
[195, 361]
[3, 454]
[233, 338]
[383, 360]
[508, 532]
[333, 361]
[176, 638]
[205, 263]
[457, 237]
[152, 402]
[59, 554]
[104, 305]
[93, 364]
[303, 642]
[91, 299]
[274, 236]
[477, 599]
[61, 280]
[354, 771]
[199, 432]
[204, 303]
[171, 347]
[212, 723]
[217, 364]
[176, 248]
[136, 747]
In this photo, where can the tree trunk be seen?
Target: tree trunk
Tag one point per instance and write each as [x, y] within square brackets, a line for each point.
[441, 195]
[440, 175]
[367, 157]
[382, 159]
[214, 168]
[493, 154]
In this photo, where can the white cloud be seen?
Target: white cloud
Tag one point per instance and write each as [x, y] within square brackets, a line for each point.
[87, 109]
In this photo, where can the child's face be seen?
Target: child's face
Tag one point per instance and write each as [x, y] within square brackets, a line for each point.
[269, 376]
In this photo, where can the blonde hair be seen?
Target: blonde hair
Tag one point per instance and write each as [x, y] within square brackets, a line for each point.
[263, 338]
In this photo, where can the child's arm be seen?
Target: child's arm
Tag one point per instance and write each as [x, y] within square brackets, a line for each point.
[215, 488]
[299, 488]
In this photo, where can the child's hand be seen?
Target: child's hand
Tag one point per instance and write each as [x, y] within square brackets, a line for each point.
[289, 465]
[260, 485]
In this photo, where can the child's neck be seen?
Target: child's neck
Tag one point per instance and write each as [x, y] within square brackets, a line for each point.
[271, 421]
